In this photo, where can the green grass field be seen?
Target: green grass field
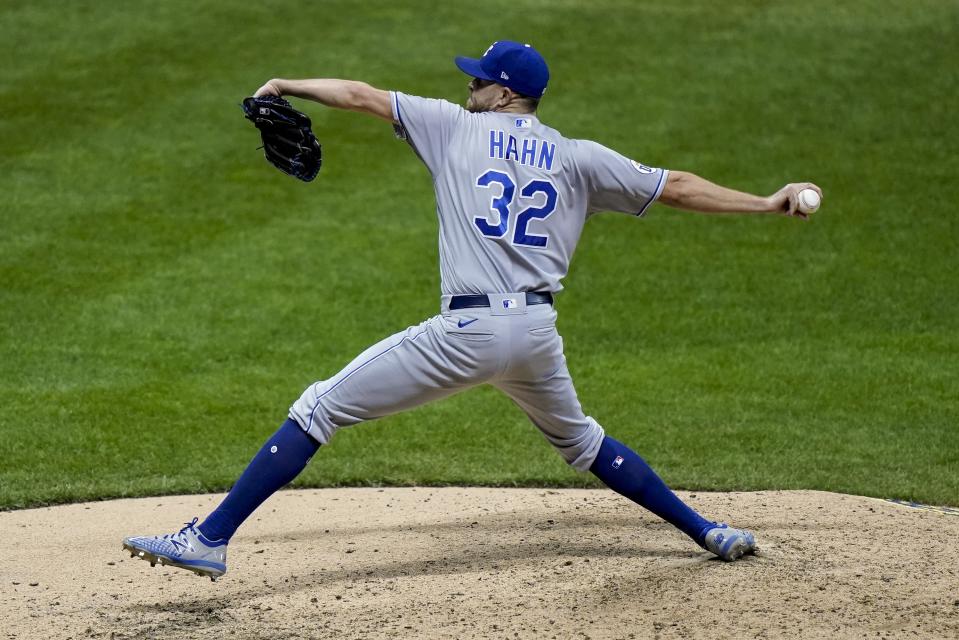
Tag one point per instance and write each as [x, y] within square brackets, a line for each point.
[165, 294]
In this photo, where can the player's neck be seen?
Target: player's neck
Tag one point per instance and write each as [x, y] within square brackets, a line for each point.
[515, 108]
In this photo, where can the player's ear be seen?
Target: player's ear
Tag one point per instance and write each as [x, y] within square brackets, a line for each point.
[505, 97]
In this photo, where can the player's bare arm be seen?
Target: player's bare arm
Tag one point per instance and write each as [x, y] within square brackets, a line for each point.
[689, 192]
[339, 94]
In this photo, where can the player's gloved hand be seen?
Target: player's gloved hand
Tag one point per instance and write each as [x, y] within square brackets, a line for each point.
[786, 200]
[288, 140]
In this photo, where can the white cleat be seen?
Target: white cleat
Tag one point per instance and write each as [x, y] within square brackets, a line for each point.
[729, 543]
[186, 549]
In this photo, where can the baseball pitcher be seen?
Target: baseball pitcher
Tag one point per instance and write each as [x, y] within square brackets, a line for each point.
[512, 196]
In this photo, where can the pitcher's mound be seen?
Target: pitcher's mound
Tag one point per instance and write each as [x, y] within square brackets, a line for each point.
[487, 563]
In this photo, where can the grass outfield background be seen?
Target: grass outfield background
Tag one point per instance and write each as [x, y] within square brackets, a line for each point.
[165, 294]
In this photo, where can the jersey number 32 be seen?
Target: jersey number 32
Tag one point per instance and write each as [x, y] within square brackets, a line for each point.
[496, 226]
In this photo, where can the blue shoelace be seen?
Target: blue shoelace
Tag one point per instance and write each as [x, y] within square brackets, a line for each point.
[172, 537]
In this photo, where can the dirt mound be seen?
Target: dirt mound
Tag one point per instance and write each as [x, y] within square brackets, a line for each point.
[477, 563]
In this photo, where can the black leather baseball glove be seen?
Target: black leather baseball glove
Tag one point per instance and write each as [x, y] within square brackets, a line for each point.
[288, 140]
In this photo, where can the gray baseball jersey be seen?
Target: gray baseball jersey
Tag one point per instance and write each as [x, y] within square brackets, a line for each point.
[512, 196]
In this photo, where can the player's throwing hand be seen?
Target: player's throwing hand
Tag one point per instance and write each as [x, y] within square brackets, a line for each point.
[786, 200]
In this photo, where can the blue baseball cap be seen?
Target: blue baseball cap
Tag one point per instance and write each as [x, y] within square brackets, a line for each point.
[511, 64]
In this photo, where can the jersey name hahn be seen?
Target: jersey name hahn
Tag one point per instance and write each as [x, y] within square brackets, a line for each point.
[506, 147]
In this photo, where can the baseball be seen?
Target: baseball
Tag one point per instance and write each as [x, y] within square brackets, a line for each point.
[808, 200]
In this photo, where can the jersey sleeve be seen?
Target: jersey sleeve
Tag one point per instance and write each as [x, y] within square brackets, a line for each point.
[427, 125]
[617, 183]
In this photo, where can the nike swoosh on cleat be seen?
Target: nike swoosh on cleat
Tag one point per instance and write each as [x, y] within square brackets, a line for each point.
[462, 324]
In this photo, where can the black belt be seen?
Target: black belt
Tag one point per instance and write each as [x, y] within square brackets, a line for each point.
[473, 302]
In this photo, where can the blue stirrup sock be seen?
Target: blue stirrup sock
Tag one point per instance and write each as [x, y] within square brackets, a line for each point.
[280, 460]
[627, 474]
